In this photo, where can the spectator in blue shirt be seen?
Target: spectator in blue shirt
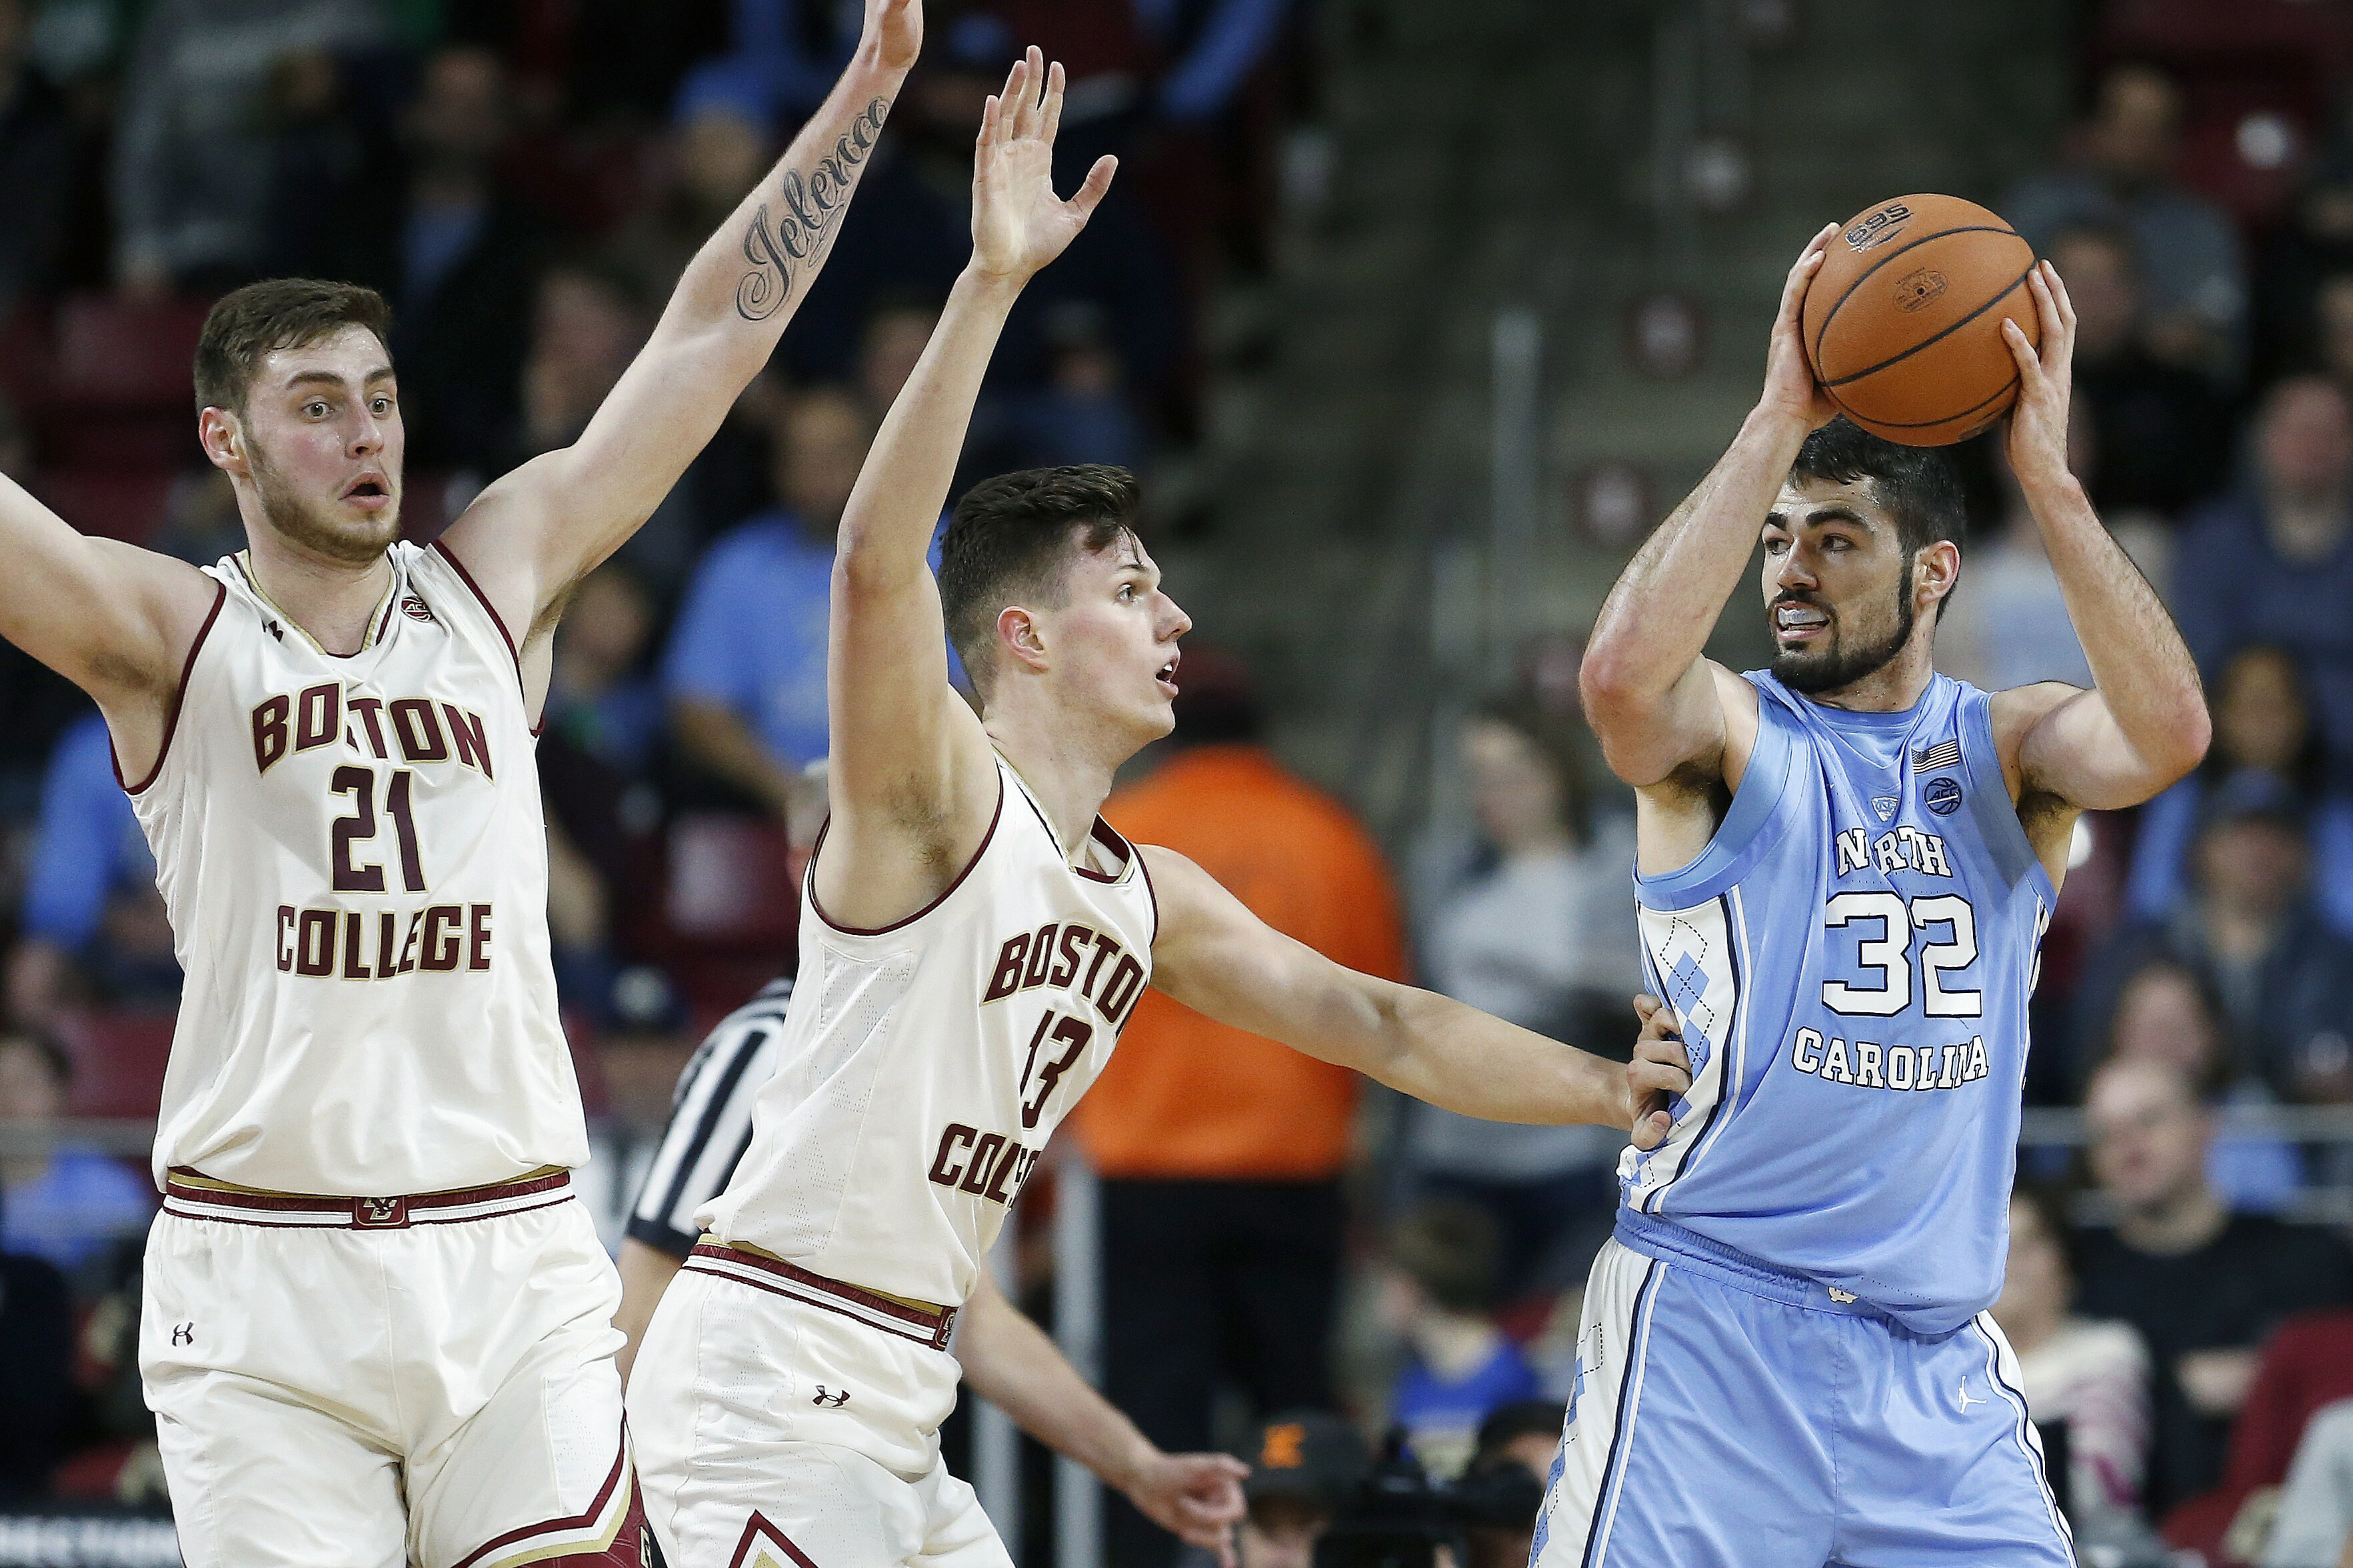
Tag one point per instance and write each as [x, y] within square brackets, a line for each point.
[89, 897]
[1438, 1293]
[745, 670]
[2274, 563]
[2263, 726]
[61, 1202]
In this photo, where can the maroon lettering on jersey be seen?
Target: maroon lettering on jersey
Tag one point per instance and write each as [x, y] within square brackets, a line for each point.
[371, 712]
[478, 955]
[956, 1137]
[269, 737]
[1120, 992]
[314, 943]
[1074, 936]
[286, 937]
[984, 1161]
[1042, 955]
[1007, 978]
[318, 716]
[444, 937]
[1105, 945]
[466, 730]
[354, 933]
[418, 729]
[999, 1192]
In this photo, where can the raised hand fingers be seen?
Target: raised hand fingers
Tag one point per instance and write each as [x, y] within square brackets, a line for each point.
[1801, 273]
[1090, 193]
[2021, 350]
[1050, 118]
[1026, 110]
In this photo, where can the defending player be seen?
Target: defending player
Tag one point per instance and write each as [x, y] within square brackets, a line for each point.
[974, 936]
[1846, 864]
[376, 1329]
[1002, 1354]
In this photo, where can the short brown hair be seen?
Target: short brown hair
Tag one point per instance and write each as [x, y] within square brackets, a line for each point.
[1452, 1249]
[281, 313]
[1010, 539]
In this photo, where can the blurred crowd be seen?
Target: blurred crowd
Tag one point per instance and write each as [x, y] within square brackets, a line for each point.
[525, 179]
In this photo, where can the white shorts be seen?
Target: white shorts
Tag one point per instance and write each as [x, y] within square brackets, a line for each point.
[777, 1427]
[441, 1395]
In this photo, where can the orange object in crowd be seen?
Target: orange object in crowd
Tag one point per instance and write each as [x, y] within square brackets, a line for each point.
[1188, 1099]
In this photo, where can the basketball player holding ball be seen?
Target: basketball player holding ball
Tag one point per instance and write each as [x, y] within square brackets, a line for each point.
[377, 1327]
[1845, 864]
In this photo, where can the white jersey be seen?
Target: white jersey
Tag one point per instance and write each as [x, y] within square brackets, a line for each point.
[355, 864]
[924, 1065]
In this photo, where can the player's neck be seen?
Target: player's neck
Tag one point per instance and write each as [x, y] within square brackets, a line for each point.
[1893, 688]
[332, 601]
[2177, 1224]
[1071, 777]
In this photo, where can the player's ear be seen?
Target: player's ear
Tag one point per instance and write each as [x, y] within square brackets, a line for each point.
[222, 435]
[1019, 636]
[1938, 570]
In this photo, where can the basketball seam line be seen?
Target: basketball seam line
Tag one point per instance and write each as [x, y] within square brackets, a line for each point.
[2016, 284]
[1865, 276]
[2006, 387]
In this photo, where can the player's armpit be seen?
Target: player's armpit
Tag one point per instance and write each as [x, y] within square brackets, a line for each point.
[2064, 742]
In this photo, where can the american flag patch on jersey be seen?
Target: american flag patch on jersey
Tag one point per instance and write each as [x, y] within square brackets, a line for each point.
[1943, 754]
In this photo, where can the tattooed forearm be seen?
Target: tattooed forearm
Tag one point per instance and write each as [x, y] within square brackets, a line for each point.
[788, 232]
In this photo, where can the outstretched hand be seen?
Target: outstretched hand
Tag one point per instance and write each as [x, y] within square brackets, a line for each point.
[2037, 439]
[1658, 1072]
[1196, 1497]
[893, 34]
[1019, 225]
[1790, 384]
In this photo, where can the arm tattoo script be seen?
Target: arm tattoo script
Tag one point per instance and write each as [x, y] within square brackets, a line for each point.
[798, 224]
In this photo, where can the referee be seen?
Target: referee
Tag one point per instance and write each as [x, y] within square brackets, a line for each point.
[1007, 1360]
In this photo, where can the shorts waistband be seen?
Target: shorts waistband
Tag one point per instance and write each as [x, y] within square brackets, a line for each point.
[917, 1320]
[1671, 1243]
[191, 1195]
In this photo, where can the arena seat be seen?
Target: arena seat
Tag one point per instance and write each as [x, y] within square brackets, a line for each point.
[114, 354]
[118, 1060]
[130, 506]
[2308, 1363]
[731, 883]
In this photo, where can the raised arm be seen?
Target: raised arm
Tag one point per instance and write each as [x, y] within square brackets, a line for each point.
[116, 620]
[1218, 958]
[1657, 703]
[532, 535]
[2144, 724]
[912, 779]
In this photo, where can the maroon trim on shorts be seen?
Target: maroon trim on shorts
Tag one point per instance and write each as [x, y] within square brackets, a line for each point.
[179, 696]
[579, 1521]
[936, 1326]
[832, 925]
[757, 1531]
[395, 1213]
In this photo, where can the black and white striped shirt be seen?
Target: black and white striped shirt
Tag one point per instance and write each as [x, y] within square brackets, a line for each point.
[710, 1121]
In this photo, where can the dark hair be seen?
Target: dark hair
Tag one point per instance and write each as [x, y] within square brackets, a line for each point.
[1916, 484]
[1520, 1418]
[2050, 1204]
[280, 313]
[2222, 1065]
[2307, 774]
[1010, 539]
[1452, 1250]
[1559, 742]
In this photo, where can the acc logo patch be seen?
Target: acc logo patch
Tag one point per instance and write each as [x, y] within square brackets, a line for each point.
[1914, 290]
[1943, 796]
[416, 608]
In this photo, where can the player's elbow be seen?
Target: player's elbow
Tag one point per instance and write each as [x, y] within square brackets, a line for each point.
[2181, 745]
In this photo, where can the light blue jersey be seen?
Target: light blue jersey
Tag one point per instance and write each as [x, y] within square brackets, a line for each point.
[1851, 958]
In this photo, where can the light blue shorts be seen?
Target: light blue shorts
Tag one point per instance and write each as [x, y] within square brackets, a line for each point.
[1726, 1414]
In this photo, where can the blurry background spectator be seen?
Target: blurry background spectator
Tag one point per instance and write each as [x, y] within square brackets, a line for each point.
[1306, 1467]
[58, 1201]
[36, 1359]
[1437, 1296]
[37, 157]
[2251, 931]
[94, 926]
[1538, 928]
[1221, 1153]
[2122, 174]
[193, 155]
[2316, 1509]
[745, 668]
[2091, 1376]
[2253, 566]
[2200, 1284]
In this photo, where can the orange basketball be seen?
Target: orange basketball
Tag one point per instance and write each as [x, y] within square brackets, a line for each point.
[1903, 322]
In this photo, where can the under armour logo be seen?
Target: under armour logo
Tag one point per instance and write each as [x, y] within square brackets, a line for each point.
[1962, 1394]
[1841, 1296]
[274, 629]
[834, 1401]
[183, 1333]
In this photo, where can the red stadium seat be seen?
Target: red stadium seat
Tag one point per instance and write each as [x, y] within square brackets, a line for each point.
[118, 1059]
[731, 883]
[127, 506]
[117, 355]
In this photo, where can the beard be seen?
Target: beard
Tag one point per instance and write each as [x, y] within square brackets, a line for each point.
[320, 528]
[1815, 670]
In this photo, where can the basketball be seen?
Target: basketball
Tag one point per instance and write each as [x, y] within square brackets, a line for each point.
[1902, 323]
